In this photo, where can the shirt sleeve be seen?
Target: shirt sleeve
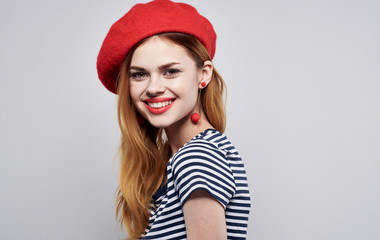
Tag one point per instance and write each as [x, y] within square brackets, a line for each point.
[203, 166]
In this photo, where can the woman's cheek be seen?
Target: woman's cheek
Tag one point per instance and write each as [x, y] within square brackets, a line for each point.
[136, 89]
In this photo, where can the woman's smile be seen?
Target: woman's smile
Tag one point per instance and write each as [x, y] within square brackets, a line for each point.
[158, 105]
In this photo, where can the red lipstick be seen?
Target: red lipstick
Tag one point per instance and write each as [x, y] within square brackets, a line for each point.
[158, 99]
[158, 110]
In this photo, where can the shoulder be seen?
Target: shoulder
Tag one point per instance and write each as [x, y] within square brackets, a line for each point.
[205, 149]
[210, 141]
[203, 163]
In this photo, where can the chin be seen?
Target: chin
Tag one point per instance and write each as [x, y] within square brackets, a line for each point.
[166, 121]
[159, 124]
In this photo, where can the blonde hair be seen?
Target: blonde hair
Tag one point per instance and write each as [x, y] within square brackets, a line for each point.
[144, 152]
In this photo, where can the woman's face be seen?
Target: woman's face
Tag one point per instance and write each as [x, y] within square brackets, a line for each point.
[164, 82]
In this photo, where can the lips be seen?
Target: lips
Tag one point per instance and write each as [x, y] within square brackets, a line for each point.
[158, 105]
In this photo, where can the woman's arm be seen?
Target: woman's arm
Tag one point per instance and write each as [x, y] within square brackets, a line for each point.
[204, 217]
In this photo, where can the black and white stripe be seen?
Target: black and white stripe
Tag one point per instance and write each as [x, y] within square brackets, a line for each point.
[209, 161]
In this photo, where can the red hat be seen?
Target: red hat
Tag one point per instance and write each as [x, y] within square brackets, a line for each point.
[145, 20]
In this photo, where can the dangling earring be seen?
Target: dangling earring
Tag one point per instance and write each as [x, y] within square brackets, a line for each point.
[195, 117]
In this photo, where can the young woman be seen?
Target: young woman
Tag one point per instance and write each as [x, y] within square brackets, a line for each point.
[180, 177]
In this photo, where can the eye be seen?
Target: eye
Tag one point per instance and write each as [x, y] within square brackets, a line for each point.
[171, 73]
[138, 75]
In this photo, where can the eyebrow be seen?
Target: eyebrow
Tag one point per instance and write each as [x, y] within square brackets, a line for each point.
[165, 66]
[168, 65]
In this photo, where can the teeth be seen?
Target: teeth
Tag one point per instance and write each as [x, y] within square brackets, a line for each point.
[159, 104]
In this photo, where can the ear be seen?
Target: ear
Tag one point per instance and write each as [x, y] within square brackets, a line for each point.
[206, 74]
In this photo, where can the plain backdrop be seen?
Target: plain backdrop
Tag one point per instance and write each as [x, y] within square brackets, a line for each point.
[303, 107]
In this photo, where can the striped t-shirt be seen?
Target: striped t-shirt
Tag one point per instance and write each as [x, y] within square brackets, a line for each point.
[208, 161]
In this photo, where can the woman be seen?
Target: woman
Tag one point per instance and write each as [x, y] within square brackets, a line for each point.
[180, 177]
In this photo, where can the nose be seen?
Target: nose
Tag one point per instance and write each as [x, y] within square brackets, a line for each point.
[155, 86]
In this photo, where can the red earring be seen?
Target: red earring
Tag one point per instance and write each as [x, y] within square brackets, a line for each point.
[195, 118]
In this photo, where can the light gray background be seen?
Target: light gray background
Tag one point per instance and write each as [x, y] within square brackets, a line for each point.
[303, 110]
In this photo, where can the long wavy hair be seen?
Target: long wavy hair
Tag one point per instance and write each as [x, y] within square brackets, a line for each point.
[144, 151]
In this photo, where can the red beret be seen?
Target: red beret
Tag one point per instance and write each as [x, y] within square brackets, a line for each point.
[145, 20]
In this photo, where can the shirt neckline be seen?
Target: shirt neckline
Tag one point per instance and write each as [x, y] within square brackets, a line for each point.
[201, 134]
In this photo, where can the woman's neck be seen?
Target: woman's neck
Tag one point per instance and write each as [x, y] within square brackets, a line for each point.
[183, 131]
